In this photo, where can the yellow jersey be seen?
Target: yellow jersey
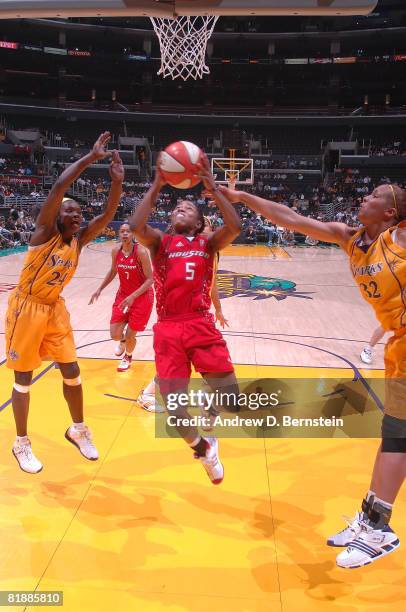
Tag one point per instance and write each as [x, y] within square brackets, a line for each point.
[380, 273]
[48, 268]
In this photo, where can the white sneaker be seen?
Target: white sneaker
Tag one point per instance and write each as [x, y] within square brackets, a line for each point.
[211, 462]
[370, 545]
[82, 439]
[26, 458]
[349, 533]
[149, 403]
[125, 363]
[367, 355]
[120, 348]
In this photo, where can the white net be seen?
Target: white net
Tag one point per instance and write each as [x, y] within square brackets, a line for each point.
[183, 43]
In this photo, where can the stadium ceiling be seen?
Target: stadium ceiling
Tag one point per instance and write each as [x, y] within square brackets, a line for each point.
[169, 8]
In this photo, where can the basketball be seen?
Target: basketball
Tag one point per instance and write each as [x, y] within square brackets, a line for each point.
[178, 164]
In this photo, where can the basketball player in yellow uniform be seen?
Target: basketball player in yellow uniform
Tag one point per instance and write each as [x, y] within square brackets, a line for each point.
[377, 254]
[37, 322]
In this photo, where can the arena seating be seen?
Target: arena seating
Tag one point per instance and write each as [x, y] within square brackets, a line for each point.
[287, 166]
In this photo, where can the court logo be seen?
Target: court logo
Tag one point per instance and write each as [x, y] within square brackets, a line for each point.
[232, 284]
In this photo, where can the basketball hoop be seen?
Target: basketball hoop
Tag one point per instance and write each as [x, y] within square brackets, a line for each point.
[183, 42]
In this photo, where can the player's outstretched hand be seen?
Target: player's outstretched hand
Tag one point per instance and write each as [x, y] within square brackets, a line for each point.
[99, 150]
[116, 168]
[206, 193]
[220, 318]
[232, 195]
[94, 297]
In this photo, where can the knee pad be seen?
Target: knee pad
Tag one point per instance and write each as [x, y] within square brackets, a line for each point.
[73, 382]
[21, 388]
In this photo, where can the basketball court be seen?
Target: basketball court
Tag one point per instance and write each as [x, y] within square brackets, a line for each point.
[143, 528]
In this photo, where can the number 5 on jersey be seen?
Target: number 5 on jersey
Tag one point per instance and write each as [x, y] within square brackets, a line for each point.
[190, 270]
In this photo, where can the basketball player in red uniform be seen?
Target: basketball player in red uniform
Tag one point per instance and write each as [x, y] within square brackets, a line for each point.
[185, 333]
[135, 296]
[147, 397]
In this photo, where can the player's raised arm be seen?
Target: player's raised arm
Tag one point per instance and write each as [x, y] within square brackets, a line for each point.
[148, 236]
[97, 224]
[46, 221]
[338, 233]
[232, 223]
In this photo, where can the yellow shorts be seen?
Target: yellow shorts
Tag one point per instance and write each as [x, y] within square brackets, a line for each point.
[395, 375]
[37, 331]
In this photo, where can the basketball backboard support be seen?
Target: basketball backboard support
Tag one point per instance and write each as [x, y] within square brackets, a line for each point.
[13, 9]
[233, 170]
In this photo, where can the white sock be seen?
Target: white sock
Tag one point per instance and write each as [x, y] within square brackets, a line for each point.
[22, 439]
[369, 495]
[128, 354]
[79, 426]
[195, 441]
[383, 503]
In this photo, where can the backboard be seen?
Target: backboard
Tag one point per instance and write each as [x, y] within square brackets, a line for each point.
[233, 170]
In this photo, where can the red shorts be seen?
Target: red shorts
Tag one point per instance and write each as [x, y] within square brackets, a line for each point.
[138, 315]
[180, 343]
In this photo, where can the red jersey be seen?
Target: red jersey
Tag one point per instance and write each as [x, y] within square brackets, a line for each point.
[130, 272]
[183, 275]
